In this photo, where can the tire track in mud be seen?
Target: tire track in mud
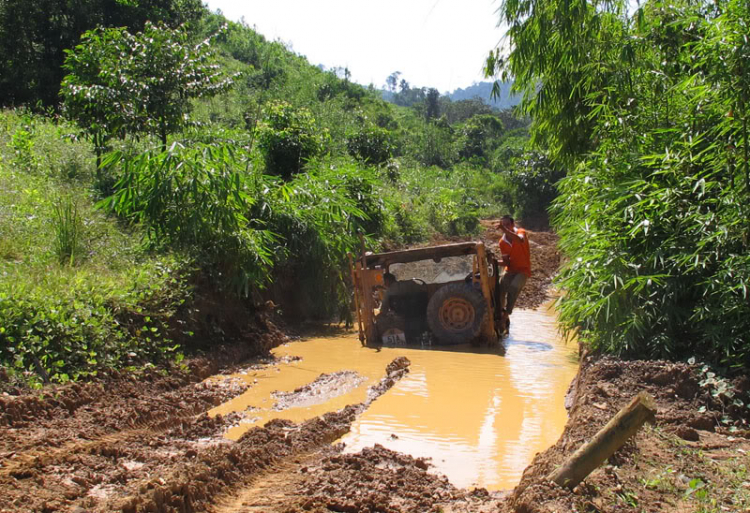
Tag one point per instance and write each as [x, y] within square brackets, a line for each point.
[33, 480]
[267, 492]
[24, 464]
[73, 445]
[216, 476]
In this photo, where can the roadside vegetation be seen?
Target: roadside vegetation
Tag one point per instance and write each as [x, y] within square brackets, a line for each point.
[165, 155]
[647, 109]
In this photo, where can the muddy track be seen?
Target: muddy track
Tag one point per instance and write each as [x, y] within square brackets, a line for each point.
[229, 468]
[78, 442]
[169, 457]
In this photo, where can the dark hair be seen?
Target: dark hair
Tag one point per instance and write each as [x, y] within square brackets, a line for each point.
[506, 216]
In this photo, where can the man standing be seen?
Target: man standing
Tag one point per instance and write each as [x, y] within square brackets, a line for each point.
[514, 247]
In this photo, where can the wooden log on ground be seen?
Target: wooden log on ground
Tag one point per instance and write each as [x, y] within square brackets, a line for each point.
[610, 438]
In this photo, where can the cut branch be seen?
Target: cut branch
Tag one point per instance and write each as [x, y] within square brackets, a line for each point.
[610, 438]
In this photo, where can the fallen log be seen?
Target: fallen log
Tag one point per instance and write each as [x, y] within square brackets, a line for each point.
[610, 438]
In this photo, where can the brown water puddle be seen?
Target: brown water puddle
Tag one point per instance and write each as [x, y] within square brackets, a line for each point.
[479, 415]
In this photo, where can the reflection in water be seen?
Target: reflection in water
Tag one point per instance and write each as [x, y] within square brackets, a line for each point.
[480, 416]
[531, 345]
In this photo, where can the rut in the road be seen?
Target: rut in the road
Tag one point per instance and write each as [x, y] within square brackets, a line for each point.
[197, 483]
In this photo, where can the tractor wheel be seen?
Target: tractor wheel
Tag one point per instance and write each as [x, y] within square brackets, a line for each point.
[456, 313]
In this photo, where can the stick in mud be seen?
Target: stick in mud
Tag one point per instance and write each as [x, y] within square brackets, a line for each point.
[610, 438]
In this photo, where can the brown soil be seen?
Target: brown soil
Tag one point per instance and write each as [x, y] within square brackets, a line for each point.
[688, 461]
[143, 442]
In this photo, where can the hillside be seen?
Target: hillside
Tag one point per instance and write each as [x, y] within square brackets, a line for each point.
[307, 160]
[483, 90]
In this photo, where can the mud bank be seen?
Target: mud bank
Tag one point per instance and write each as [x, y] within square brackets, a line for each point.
[693, 459]
[79, 443]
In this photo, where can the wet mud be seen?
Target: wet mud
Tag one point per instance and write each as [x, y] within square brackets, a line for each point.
[174, 457]
[325, 387]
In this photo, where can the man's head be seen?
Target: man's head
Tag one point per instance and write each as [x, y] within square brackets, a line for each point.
[388, 279]
[507, 221]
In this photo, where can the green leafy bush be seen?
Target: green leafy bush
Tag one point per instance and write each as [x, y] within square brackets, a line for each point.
[61, 326]
[288, 138]
[370, 144]
[197, 200]
[317, 216]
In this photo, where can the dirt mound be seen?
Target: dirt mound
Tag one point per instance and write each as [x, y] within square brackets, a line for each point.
[656, 469]
[394, 483]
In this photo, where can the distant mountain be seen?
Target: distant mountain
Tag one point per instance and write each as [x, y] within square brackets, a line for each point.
[483, 91]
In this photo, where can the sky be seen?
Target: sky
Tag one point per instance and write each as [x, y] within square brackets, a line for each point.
[433, 43]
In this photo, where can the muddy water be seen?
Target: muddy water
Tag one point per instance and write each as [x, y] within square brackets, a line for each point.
[479, 415]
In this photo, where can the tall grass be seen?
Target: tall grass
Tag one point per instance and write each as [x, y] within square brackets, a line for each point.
[68, 229]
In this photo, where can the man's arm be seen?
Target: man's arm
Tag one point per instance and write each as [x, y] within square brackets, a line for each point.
[513, 236]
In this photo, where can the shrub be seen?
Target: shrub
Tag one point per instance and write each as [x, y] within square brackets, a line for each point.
[60, 326]
[288, 138]
[196, 200]
[371, 144]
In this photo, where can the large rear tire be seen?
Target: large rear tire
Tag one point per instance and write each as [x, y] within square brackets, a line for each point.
[456, 313]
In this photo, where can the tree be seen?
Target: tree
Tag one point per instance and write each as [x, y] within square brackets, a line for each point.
[477, 136]
[122, 83]
[370, 144]
[34, 37]
[288, 138]
[392, 81]
[432, 109]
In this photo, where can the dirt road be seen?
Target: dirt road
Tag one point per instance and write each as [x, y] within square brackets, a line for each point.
[143, 442]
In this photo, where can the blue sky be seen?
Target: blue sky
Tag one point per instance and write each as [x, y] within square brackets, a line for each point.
[436, 43]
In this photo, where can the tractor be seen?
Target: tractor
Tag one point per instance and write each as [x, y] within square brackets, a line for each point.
[451, 300]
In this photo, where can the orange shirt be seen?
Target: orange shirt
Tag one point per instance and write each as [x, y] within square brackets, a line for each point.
[520, 257]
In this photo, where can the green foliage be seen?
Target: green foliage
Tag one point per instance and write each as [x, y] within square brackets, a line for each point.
[317, 215]
[427, 201]
[33, 36]
[121, 83]
[288, 138]
[534, 179]
[61, 326]
[434, 145]
[68, 231]
[650, 112]
[370, 144]
[562, 51]
[60, 322]
[478, 136]
[196, 200]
